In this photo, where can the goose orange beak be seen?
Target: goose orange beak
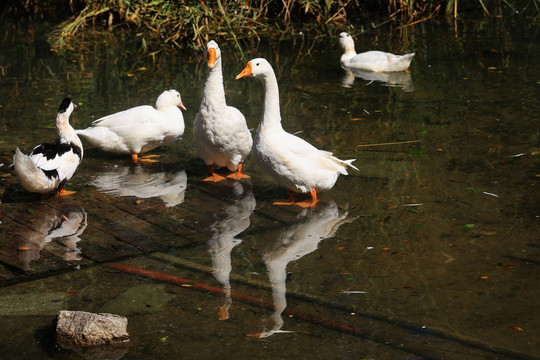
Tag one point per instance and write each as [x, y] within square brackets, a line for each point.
[212, 57]
[246, 72]
[181, 106]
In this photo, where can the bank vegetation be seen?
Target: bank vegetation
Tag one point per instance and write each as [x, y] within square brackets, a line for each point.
[180, 23]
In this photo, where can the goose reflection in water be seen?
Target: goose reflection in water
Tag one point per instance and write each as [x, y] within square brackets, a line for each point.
[400, 79]
[60, 227]
[227, 222]
[143, 183]
[293, 243]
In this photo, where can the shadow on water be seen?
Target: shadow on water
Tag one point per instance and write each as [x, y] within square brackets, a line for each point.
[430, 251]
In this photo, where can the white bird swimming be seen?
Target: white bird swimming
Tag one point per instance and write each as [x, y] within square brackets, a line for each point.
[139, 129]
[49, 167]
[377, 61]
[220, 132]
[290, 160]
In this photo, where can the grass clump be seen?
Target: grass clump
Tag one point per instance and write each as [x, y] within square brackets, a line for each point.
[180, 23]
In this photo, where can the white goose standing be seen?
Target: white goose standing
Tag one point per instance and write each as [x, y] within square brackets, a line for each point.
[221, 135]
[377, 61]
[139, 129]
[49, 167]
[290, 160]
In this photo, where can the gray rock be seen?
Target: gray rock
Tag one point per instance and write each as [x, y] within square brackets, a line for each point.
[89, 329]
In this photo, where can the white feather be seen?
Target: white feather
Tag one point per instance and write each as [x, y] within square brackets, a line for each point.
[290, 160]
[221, 135]
[139, 129]
[377, 61]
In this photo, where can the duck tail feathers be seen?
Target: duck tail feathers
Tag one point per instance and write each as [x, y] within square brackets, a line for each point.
[29, 175]
[349, 163]
[338, 164]
[346, 163]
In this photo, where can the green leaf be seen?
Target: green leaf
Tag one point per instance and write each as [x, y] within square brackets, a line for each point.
[468, 226]
[416, 152]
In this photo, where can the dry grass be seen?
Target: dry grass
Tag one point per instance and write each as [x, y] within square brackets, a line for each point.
[163, 23]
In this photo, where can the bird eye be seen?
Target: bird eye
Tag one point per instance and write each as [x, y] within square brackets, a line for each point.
[258, 64]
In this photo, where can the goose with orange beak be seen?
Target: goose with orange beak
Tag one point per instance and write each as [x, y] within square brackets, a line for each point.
[290, 160]
[220, 132]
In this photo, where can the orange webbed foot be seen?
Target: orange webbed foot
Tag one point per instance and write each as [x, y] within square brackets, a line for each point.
[283, 203]
[239, 174]
[137, 159]
[307, 203]
[63, 192]
[223, 312]
[289, 201]
[213, 176]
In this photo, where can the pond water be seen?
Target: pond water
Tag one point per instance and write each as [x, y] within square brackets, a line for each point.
[430, 251]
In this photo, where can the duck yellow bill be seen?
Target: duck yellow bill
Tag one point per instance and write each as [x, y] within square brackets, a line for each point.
[212, 57]
[181, 106]
[246, 72]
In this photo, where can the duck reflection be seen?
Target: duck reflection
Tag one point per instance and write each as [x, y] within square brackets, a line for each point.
[63, 227]
[143, 183]
[400, 79]
[229, 220]
[293, 243]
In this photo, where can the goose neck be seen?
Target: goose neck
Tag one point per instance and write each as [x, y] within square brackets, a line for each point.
[213, 89]
[271, 111]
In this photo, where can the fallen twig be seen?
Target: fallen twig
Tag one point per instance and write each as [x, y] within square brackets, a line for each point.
[391, 143]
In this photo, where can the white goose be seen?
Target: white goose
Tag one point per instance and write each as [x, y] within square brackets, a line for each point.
[377, 61]
[139, 129]
[49, 167]
[291, 161]
[220, 132]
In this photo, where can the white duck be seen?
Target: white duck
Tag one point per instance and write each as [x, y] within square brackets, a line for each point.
[377, 61]
[291, 161]
[139, 129]
[221, 135]
[49, 167]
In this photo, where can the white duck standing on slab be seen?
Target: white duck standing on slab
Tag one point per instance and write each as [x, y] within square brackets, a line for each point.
[377, 61]
[50, 166]
[220, 132]
[139, 129]
[290, 160]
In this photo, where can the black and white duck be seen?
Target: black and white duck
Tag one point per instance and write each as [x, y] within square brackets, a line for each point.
[50, 165]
